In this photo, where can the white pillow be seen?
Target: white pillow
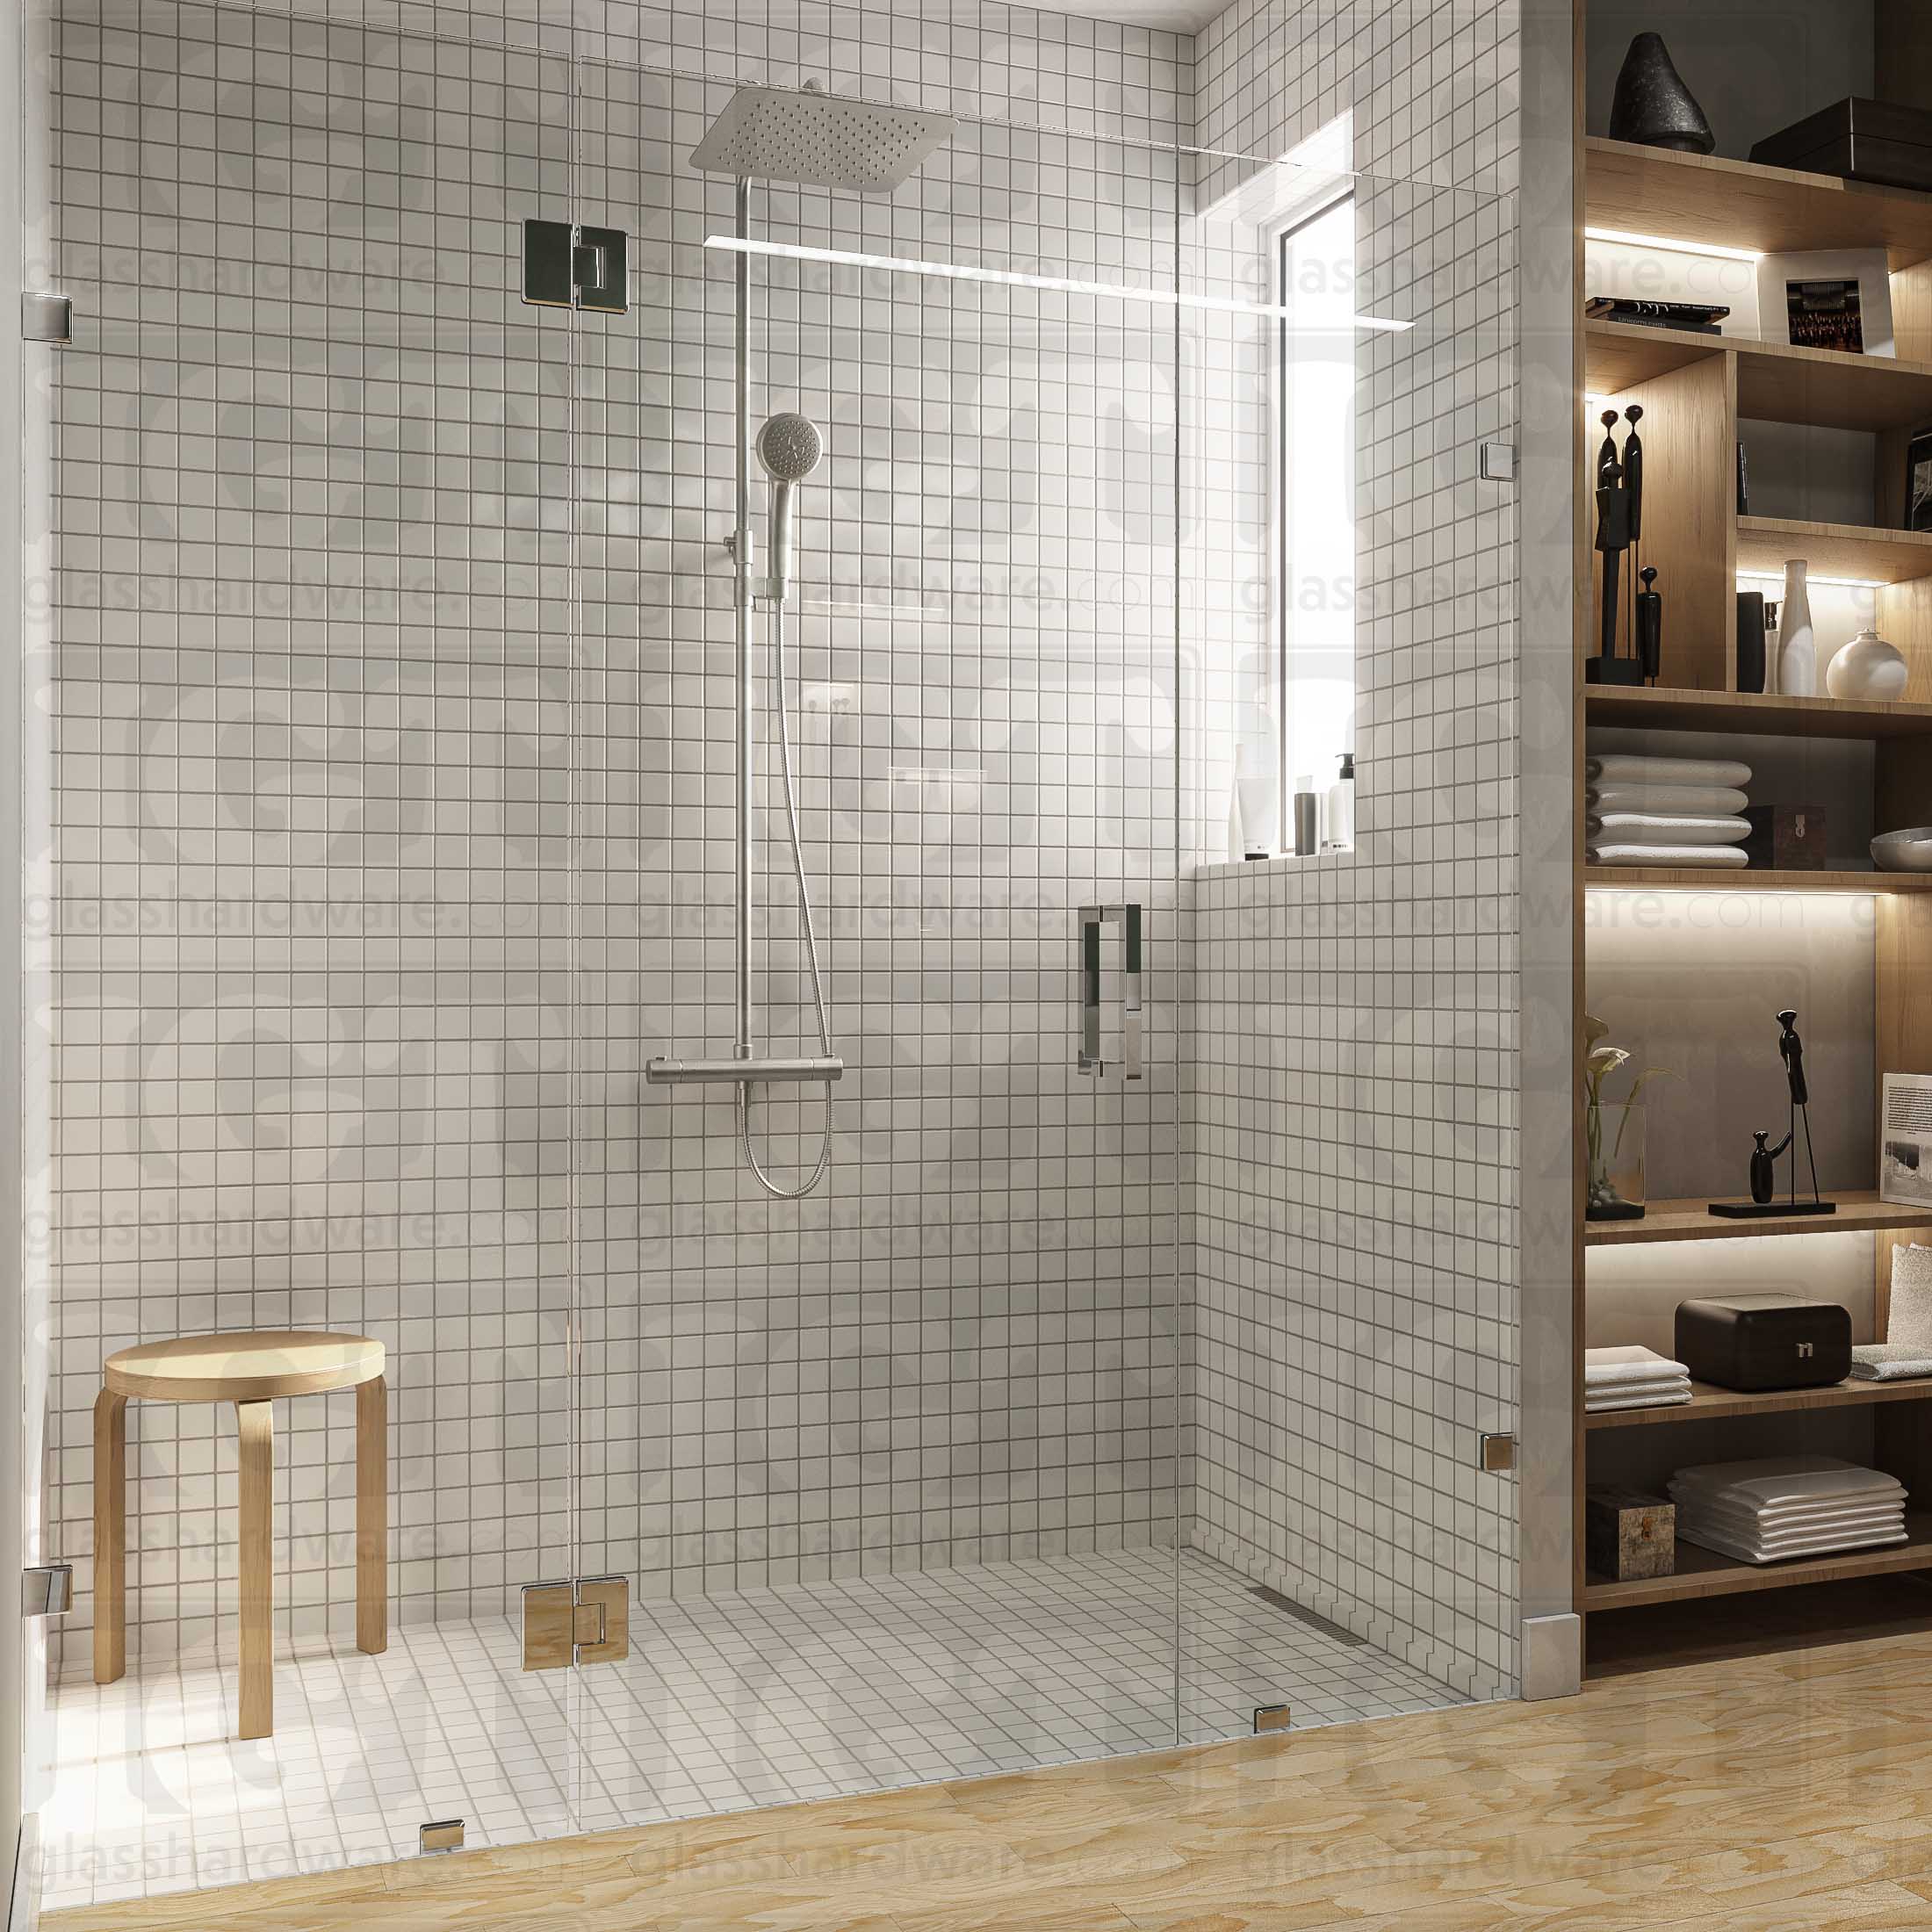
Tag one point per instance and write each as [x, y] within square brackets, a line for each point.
[1910, 1319]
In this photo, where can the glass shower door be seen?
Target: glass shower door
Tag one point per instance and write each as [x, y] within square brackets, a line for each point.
[312, 601]
[892, 1465]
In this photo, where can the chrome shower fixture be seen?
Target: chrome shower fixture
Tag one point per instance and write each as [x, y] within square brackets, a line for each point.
[813, 139]
[790, 448]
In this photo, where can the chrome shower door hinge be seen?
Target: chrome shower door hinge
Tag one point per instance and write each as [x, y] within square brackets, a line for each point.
[46, 1589]
[567, 266]
[585, 1621]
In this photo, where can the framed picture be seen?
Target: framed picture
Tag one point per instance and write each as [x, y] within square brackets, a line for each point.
[1917, 481]
[1840, 300]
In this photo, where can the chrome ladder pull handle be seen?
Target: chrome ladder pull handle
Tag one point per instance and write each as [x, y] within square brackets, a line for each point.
[1093, 917]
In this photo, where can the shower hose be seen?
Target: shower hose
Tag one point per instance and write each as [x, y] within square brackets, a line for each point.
[818, 1174]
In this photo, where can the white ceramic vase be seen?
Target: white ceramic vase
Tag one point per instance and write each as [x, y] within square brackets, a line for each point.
[1868, 668]
[1797, 646]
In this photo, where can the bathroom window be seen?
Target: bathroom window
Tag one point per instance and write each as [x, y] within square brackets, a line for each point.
[1314, 491]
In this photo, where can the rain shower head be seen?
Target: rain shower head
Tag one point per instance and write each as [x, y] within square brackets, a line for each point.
[817, 141]
[791, 447]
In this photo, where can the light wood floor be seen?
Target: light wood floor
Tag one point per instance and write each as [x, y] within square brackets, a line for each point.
[1790, 1792]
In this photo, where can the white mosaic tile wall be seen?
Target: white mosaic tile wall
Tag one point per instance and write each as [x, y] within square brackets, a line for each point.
[1352, 1038]
[395, 831]
[392, 713]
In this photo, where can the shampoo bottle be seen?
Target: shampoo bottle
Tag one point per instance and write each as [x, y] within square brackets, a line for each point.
[1341, 807]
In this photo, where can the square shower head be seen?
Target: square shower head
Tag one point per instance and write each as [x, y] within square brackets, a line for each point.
[818, 140]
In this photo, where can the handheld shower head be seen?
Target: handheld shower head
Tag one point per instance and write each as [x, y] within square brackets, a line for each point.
[791, 447]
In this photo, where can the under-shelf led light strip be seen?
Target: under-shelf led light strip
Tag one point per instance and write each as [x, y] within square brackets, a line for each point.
[1833, 583]
[960, 272]
[1670, 246]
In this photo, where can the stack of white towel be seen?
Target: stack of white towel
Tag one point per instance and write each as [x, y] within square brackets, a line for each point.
[1666, 812]
[1632, 1378]
[1782, 1506]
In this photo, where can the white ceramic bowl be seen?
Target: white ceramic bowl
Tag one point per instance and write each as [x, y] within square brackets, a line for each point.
[1909, 851]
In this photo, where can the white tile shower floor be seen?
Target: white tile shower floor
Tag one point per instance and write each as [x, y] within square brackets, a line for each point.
[767, 1697]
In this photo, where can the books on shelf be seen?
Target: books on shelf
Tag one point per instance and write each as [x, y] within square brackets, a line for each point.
[1694, 318]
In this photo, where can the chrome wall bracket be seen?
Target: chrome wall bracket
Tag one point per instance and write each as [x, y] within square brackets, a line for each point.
[47, 319]
[1128, 918]
[46, 1589]
[568, 266]
[586, 1621]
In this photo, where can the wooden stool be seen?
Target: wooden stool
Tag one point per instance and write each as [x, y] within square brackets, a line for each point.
[251, 1370]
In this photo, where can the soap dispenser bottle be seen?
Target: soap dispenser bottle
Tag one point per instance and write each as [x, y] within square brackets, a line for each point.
[1341, 807]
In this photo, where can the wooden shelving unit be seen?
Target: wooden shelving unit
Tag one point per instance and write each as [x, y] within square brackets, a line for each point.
[1739, 205]
[1754, 714]
[1710, 1573]
[1693, 1221]
[1775, 383]
[1696, 391]
[1708, 1403]
[1638, 879]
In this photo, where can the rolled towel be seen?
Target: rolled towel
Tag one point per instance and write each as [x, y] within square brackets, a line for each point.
[1708, 800]
[1890, 1361]
[1675, 858]
[1626, 768]
[1665, 829]
[1604, 1366]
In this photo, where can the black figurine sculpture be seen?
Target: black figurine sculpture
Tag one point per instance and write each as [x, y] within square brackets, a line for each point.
[1653, 106]
[1619, 505]
[1764, 1159]
[1650, 625]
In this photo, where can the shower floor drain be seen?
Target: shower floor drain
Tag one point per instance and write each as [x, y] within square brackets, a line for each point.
[1289, 1607]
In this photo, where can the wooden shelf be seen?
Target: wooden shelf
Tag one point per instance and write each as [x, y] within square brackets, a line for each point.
[1834, 549]
[1740, 205]
[1776, 383]
[1754, 713]
[1710, 1573]
[1708, 1403]
[1858, 1213]
[1618, 355]
[1648, 878]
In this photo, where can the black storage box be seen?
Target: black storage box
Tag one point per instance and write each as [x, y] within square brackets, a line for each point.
[1761, 1342]
[1859, 140]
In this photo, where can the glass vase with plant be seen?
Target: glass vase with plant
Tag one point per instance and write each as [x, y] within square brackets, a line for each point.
[1613, 1130]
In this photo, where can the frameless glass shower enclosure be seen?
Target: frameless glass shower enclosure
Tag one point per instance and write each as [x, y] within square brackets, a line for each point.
[645, 859]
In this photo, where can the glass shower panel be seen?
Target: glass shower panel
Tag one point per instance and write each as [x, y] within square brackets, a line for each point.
[312, 607]
[893, 1466]
[1351, 1310]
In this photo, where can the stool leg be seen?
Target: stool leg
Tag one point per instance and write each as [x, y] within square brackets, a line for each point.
[372, 1516]
[256, 1423]
[110, 1536]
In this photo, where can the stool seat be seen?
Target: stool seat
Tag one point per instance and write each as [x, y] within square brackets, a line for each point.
[254, 1368]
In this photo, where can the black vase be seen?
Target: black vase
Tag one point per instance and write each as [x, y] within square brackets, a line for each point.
[1751, 640]
[1653, 106]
